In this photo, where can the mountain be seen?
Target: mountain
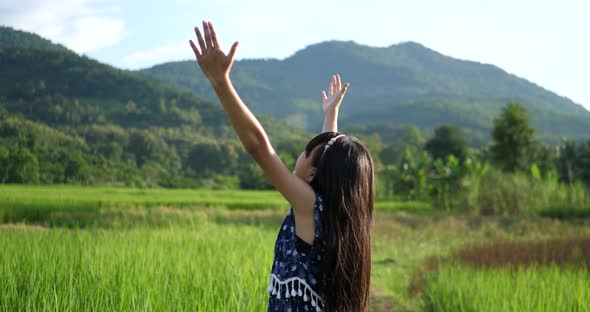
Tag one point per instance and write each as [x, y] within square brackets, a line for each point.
[67, 118]
[10, 37]
[49, 83]
[405, 83]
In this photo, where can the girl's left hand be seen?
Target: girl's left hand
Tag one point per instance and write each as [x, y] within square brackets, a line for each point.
[337, 91]
[215, 64]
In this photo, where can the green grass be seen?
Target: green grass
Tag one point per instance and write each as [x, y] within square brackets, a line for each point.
[54, 195]
[402, 243]
[457, 288]
[107, 248]
[71, 205]
[414, 207]
[204, 268]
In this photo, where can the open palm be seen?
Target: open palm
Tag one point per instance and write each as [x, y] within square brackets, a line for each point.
[336, 91]
[214, 63]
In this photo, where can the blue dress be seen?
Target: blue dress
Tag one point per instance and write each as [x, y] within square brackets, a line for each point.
[296, 281]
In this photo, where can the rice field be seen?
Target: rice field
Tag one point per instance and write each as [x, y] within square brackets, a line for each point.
[69, 248]
[544, 289]
[46, 204]
[208, 268]
[548, 275]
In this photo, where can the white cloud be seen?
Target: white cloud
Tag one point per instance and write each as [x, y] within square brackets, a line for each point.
[92, 33]
[82, 25]
[172, 51]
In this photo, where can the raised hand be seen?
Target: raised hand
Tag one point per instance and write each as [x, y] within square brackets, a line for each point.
[215, 64]
[332, 101]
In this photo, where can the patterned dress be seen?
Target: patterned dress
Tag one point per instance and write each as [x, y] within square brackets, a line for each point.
[296, 281]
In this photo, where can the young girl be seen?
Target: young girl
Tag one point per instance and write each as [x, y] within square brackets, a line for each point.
[322, 255]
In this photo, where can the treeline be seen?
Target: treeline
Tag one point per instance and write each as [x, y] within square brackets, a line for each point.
[515, 173]
[31, 152]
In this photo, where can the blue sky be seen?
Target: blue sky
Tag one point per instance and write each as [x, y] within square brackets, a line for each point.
[542, 41]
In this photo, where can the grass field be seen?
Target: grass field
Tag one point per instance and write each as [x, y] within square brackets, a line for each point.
[542, 289]
[70, 205]
[132, 249]
[206, 268]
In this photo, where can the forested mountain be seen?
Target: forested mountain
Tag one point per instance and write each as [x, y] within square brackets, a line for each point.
[65, 117]
[10, 37]
[405, 83]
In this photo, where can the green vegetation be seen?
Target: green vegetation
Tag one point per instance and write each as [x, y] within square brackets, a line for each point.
[78, 206]
[65, 118]
[447, 140]
[526, 289]
[84, 206]
[158, 249]
[509, 276]
[69, 119]
[206, 267]
[515, 175]
[461, 224]
[513, 139]
[9, 37]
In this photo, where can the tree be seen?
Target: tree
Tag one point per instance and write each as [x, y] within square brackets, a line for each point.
[252, 177]
[4, 163]
[144, 144]
[25, 168]
[543, 157]
[583, 162]
[512, 139]
[393, 154]
[208, 159]
[447, 140]
[566, 161]
[76, 169]
[412, 136]
[3, 111]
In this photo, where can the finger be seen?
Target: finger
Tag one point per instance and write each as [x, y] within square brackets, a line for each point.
[214, 36]
[207, 32]
[339, 83]
[197, 54]
[331, 88]
[232, 52]
[324, 96]
[343, 91]
[345, 87]
[335, 82]
[200, 39]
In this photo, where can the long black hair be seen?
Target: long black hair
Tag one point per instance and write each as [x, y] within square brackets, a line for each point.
[345, 178]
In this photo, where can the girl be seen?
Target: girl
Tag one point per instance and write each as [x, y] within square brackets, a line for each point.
[322, 255]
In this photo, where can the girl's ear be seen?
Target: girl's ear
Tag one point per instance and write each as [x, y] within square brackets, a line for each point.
[311, 175]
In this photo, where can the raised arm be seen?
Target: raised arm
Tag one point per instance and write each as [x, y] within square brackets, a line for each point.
[216, 66]
[331, 104]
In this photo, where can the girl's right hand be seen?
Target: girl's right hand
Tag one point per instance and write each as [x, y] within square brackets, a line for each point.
[336, 91]
[214, 63]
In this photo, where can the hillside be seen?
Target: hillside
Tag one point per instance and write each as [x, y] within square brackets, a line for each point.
[126, 129]
[10, 37]
[405, 83]
[64, 88]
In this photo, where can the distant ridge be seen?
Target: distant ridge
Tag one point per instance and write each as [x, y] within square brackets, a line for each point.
[405, 83]
[10, 37]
